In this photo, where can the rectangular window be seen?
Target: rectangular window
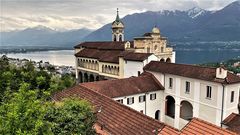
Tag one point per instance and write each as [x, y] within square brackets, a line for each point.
[170, 83]
[209, 91]
[139, 73]
[142, 98]
[130, 100]
[153, 96]
[120, 100]
[232, 96]
[187, 87]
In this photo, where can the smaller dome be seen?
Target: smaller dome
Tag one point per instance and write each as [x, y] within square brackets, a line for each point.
[155, 30]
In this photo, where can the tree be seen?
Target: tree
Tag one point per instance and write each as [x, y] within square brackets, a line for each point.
[72, 116]
[23, 113]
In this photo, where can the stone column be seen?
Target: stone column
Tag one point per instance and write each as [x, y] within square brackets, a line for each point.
[77, 75]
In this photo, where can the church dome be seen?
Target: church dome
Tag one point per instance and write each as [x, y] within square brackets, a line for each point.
[155, 30]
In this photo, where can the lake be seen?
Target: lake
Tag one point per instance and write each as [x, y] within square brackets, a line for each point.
[60, 57]
[66, 57]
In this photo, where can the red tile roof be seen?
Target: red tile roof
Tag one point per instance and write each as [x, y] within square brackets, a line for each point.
[197, 126]
[114, 117]
[111, 56]
[137, 56]
[167, 130]
[125, 87]
[191, 71]
[102, 55]
[104, 45]
[233, 122]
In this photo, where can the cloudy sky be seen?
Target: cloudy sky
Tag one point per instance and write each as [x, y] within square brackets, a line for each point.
[75, 14]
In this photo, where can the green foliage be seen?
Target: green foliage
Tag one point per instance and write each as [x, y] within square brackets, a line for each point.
[23, 113]
[73, 116]
[228, 64]
[26, 110]
[11, 77]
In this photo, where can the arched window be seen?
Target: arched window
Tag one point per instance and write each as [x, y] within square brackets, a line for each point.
[162, 60]
[155, 47]
[148, 49]
[120, 38]
[162, 49]
[114, 38]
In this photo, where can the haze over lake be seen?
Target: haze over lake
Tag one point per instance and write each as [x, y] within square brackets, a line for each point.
[66, 57]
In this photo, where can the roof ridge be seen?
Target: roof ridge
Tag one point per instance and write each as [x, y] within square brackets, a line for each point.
[192, 65]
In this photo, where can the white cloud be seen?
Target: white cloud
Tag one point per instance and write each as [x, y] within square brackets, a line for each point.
[73, 14]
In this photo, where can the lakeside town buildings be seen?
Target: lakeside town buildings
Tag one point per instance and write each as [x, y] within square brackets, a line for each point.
[143, 83]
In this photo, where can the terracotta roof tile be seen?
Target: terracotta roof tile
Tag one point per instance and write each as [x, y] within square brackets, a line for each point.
[105, 45]
[137, 56]
[191, 71]
[101, 55]
[115, 118]
[198, 126]
[125, 87]
[167, 130]
[111, 56]
[233, 122]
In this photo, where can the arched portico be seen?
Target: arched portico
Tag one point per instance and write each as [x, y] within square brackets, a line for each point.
[170, 106]
[186, 110]
[168, 60]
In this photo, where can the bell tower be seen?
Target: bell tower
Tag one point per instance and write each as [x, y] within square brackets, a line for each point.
[117, 29]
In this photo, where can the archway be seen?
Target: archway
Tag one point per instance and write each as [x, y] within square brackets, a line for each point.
[157, 115]
[80, 77]
[97, 78]
[85, 77]
[170, 106]
[162, 60]
[168, 60]
[91, 78]
[186, 110]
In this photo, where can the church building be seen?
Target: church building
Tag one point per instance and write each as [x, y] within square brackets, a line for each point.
[118, 58]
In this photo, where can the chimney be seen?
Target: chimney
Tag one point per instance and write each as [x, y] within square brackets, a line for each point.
[221, 72]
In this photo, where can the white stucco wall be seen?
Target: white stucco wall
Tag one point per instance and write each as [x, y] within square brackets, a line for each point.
[203, 108]
[151, 105]
[131, 68]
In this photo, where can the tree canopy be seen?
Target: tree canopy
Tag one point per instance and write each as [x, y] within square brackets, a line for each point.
[26, 108]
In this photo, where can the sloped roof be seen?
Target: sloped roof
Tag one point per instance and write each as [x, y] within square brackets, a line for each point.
[198, 126]
[191, 71]
[125, 87]
[111, 56]
[104, 45]
[115, 117]
[233, 122]
[137, 56]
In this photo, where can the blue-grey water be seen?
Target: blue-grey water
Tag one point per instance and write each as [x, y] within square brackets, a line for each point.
[60, 57]
[66, 57]
[205, 56]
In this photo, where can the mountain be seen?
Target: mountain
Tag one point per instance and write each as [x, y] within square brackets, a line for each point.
[42, 35]
[195, 24]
